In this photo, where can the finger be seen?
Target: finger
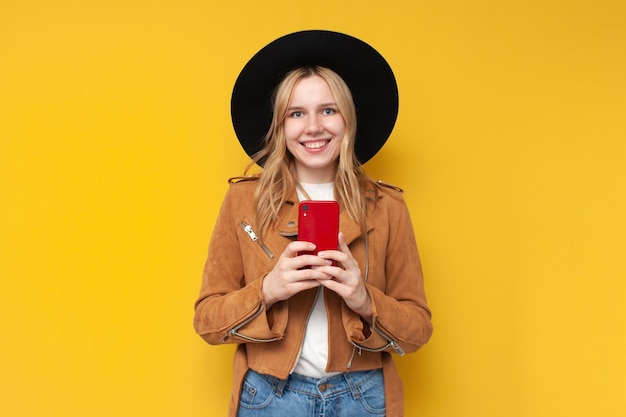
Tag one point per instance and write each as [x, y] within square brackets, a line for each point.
[309, 274]
[343, 246]
[335, 273]
[300, 286]
[294, 248]
[306, 261]
[332, 285]
[333, 255]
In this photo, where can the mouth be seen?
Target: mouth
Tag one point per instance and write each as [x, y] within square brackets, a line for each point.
[318, 144]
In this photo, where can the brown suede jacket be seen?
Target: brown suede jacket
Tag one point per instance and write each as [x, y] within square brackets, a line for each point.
[230, 307]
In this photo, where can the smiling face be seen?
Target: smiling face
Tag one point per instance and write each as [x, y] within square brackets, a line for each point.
[314, 130]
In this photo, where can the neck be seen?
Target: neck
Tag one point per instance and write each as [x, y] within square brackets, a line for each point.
[316, 176]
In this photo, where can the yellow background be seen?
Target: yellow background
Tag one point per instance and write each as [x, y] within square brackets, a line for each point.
[115, 146]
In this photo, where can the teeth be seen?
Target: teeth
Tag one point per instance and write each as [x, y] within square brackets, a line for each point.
[315, 145]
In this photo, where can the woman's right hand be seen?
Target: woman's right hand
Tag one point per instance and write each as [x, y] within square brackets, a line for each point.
[289, 276]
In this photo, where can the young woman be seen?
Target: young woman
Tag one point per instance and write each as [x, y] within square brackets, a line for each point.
[315, 333]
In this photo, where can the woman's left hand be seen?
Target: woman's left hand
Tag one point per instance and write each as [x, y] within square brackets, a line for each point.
[346, 280]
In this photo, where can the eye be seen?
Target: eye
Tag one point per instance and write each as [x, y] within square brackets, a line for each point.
[329, 111]
[296, 114]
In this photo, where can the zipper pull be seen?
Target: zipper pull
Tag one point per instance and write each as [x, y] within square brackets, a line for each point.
[397, 348]
[248, 229]
[349, 364]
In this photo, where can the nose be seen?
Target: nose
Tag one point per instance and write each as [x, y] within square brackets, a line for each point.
[314, 124]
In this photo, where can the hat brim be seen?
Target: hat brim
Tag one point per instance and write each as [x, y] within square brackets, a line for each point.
[365, 71]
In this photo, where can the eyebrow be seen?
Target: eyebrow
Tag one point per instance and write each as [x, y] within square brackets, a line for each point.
[322, 106]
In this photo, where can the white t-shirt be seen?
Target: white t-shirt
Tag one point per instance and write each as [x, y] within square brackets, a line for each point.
[314, 352]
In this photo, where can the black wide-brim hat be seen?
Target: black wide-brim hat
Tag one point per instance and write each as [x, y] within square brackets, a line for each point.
[365, 71]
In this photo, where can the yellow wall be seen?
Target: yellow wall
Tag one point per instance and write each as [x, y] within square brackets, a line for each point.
[115, 146]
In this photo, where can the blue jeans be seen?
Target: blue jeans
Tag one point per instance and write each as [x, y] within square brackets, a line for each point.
[352, 394]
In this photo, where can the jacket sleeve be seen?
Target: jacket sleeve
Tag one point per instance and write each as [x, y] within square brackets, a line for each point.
[401, 319]
[227, 310]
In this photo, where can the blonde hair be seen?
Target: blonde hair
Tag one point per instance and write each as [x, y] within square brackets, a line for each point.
[278, 178]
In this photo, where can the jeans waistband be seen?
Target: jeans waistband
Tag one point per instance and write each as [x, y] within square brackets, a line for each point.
[326, 387]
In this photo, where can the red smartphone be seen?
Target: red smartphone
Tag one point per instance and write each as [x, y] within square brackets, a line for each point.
[318, 223]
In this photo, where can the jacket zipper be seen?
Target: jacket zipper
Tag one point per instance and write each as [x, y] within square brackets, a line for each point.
[306, 324]
[235, 330]
[391, 343]
[248, 229]
[354, 348]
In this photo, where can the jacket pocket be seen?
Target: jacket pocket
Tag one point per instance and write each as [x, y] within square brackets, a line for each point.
[234, 331]
[391, 343]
